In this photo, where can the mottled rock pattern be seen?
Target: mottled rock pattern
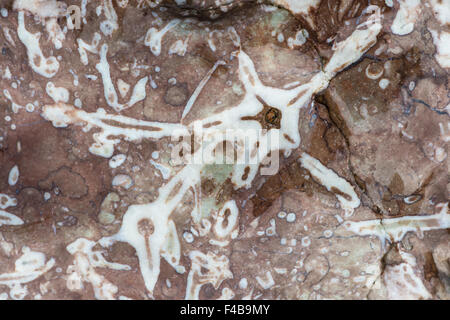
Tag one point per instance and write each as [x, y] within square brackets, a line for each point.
[357, 210]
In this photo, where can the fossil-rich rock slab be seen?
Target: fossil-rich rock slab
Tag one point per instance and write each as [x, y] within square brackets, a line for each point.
[227, 149]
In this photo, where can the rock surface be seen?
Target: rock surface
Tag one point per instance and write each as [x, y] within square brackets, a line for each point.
[343, 193]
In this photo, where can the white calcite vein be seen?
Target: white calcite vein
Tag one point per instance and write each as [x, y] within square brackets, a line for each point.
[199, 88]
[7, 218]
[442, 42]
[138, 94]
[153, 38]
[441, 10]
[61, 115]
[46, 67]
[109, 25]
[333, 182]
[92, 48]
[406, 17]
[394, 229]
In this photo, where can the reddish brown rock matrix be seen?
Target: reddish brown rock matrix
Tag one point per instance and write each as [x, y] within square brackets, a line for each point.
[96, 204]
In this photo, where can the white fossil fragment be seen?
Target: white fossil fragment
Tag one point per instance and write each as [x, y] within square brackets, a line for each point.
[7, 201]
[206, 268]
[83, 269]
[153, 38]
[13, 176]
[266, 281]
[46, 67]
[406, 17]
[442, 42]
[7, 218]
[28, 267]
[111, 97]
[394, 229]
[117, 160]
[122, 180]
[58, 94]
[42, 8]
[343, 190]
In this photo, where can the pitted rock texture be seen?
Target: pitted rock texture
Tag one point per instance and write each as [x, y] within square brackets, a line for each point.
[96, 96]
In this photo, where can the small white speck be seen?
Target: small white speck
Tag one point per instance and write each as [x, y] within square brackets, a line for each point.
[188, 237]
[243, 283]
[281, 214]
[152, 83]
[13, 176]
[29, 107]
[383, 83]
[344, 253]
[328, 233]
[77, 103]
[271, 231]
[345, 273]
[280, 37]
[291, 217]
[91, 76]
[306, 241]
[47, 196]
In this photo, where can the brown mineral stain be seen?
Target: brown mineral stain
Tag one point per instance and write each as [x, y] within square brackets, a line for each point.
[176, 95]
[396, 186]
